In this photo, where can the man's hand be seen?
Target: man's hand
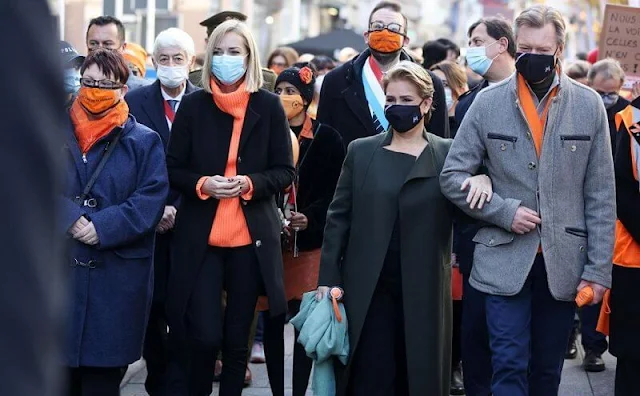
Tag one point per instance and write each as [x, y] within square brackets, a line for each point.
[168, 219]
[598, 291]
[525, 220]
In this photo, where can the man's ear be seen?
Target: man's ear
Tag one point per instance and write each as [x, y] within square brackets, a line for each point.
[407, 40]
[366, 37]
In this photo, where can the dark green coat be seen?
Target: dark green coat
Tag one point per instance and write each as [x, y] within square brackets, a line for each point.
[357, 234]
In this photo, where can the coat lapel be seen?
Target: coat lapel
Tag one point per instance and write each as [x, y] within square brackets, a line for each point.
[154, 107]
[354, 96]
[250, 120]
[425, 165]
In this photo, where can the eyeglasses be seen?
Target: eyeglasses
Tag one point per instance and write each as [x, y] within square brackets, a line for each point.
[377, 26]
[104, 84]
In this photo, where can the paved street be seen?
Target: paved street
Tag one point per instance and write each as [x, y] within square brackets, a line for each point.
[575, 381]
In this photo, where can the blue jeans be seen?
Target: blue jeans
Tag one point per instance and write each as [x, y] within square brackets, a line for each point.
[528, 334]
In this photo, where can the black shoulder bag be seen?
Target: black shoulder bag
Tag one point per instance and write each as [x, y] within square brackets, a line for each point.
[80, 199]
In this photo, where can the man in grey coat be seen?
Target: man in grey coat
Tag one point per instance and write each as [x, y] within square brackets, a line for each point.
[549, 228]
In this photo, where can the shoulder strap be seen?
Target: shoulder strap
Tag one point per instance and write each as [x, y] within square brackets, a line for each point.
[107, 153]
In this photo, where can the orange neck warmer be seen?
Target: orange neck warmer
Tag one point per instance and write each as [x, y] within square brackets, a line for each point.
[89, 131]
[233, 103]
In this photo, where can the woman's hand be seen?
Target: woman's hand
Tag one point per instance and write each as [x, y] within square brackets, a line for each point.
[299, 222]
[87, 235]
[480, 190]
[321, 292]
[168, 219]
[78, 225]
[220, 187]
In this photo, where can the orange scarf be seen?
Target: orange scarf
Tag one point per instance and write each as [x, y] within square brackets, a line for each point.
[536, 122]
[89, 131]
[229, 225]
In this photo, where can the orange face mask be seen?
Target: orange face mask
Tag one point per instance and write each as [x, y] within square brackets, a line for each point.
[385, 42]
[97, 100]
[293, 105]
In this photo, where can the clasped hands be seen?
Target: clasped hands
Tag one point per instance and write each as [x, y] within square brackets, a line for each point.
[84, 231]
[220, 187]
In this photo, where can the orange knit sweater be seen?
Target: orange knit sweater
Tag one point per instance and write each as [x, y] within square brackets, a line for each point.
[229, 227]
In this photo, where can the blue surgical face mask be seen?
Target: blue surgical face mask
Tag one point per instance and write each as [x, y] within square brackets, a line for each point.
[71, 81]
[228, 69]
[448, 97]
[477, 59]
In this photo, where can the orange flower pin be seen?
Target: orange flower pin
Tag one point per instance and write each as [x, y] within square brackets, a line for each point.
[306, 75]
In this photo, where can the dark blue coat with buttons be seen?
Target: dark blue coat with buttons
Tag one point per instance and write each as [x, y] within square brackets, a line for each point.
[111, 284]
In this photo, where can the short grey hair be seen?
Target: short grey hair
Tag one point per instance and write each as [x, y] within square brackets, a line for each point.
[607, 68]
[540, 15]
[174, 37]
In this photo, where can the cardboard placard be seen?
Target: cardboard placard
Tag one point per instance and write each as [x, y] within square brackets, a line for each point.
[620, 39]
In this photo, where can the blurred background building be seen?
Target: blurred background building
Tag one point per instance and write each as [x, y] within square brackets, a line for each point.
[277, 22]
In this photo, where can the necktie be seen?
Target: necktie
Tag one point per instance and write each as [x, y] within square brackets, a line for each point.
[173, 104]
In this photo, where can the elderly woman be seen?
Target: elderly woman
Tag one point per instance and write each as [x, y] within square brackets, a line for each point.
[155, 106]
[113, 199]
[387, 243]
[230, 154]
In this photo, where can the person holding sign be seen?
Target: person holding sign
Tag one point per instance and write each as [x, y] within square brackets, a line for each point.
[549, 231]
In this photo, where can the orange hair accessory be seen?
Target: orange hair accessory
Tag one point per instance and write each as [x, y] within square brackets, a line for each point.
[306, 75]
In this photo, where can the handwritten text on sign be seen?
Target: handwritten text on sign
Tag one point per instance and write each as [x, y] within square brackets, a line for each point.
[620, 38]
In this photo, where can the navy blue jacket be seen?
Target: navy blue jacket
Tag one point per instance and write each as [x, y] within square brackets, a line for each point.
[110, 303]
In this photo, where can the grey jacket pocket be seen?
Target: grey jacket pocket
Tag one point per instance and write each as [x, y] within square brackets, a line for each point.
[576, 232]
[498, 136]
[493, 236]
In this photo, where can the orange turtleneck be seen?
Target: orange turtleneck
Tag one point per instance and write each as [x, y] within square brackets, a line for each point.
[229, 227]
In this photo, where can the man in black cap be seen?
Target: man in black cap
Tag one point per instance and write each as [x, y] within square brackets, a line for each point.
[71, 63]
[211, 24]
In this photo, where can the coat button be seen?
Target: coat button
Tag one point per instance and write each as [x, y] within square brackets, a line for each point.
[491, 241]
[582, 248]
[532, 165]
[573, 148]
[258, 243]
[239, 160]
[503, 147]
[244, 203]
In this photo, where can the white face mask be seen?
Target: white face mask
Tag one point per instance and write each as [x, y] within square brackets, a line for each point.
[448, 97]
[172, 76]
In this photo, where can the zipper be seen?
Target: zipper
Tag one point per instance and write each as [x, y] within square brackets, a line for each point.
[497, 136]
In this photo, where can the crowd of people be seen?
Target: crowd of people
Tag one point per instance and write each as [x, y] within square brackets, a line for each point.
[459, 203]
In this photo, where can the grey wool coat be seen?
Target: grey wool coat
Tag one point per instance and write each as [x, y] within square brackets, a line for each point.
[571, 186]
[356, 238]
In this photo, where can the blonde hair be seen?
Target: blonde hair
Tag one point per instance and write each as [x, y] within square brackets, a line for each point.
[414, 74]
[253, 76]
[456, 76]
[540, 15]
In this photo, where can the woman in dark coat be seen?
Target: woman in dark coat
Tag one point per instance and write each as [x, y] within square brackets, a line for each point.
[111, 229]
[387, 243]
[304, 206]
[229, 154]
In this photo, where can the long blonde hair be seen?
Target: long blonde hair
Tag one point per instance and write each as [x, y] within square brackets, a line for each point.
[253, 76]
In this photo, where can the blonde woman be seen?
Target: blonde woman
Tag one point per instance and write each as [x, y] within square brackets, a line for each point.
[230, 153]
[454, 79]
[387, 243]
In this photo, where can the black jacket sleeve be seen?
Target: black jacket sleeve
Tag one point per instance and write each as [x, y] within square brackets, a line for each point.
[627, 194]
[439, 123]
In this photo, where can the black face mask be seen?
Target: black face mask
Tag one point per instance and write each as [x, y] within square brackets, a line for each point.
[403, 118]
[535, 68]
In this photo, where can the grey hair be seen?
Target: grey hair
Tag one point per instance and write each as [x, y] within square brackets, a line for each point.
[174, 37]
[540, 15]
[609, 69]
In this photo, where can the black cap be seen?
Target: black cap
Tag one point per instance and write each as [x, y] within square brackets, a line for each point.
[213, 21]
[70, 57]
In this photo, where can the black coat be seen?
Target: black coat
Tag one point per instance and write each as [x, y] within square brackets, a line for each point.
[199, 147]
[146, 104]
[343, 104]
[318, 171]
[359, 225]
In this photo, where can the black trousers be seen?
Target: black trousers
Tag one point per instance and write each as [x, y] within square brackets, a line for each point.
[456, 335]
[273, 340]
[627, 371]
[379, 366]
[155, 350]
[210, 329]
[95, 381]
